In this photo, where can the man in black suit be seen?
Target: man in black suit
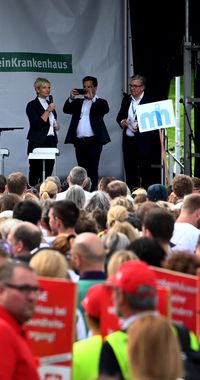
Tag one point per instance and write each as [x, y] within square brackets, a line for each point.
[141, 151]
[87, 130]
[42, 132]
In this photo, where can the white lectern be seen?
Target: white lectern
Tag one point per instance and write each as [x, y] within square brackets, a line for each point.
[44, 154]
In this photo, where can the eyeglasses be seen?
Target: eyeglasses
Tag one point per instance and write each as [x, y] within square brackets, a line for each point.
[135, 85]
[25, 289]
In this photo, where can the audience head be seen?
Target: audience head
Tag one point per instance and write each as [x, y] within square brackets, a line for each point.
[8, 201]
[5, 225]
[90, 302]
[151, 340]
[3, 182]
[158, 224]
[76, 194]
[27, 211]
[125, 228]
[182, 185]
[196, 184]
[100, 217]
[98, 201]
[157, 192]
[20, 305]
[85, 223]
[48, 189]
[104, 181]
[23, 238]
[117, 259]
[77, 176]
[123, 201]
[134, 286]
[88, 253]
[56, 180]
[49, 263]
[17, 183]
[183, 261]
[63, 215]
[143, 208]
[148, 250]
[117, 189]
[116, 213]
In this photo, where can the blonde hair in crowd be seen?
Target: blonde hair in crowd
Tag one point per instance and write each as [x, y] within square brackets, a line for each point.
[49, 263]
[117, 259]
[116, 213]
[153, 350]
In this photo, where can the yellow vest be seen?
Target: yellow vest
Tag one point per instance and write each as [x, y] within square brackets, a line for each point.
[118, 342]
[85, 361]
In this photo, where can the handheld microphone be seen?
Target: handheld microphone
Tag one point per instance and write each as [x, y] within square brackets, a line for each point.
[50, 98]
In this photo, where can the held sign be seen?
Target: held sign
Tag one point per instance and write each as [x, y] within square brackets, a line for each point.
[183, 295]
[157, 115]
[51, 330]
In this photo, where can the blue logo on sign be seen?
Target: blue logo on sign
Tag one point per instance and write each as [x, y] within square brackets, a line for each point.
[156, 118]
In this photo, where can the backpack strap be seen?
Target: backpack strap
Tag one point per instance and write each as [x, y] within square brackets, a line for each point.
[184, 337]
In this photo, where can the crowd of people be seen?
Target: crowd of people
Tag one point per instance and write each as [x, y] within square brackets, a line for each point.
[108, 236]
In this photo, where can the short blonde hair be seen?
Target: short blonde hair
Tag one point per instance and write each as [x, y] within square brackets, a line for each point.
[39, 82]
[49, 263]
[153, 349]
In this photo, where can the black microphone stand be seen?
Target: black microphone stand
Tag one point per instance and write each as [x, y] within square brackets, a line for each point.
[191, 135]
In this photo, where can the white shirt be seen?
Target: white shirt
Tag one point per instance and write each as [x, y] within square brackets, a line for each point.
[132, 113]
[185, 237]
[61, 196]
[52, 119]
[84, 128]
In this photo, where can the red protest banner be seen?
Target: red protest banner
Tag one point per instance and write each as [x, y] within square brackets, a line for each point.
[183, 295]
[198, 305]
[51, 330]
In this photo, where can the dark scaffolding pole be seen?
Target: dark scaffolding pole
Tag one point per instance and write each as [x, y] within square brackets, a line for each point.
[187, 67]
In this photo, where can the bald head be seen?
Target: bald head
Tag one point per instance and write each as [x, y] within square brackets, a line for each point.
[88, 252]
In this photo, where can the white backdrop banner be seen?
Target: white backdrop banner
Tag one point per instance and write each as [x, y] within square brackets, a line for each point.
[63, 41]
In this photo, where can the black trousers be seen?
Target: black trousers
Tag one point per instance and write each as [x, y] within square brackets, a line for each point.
[36, 166]
[142, 166]
[88, 151]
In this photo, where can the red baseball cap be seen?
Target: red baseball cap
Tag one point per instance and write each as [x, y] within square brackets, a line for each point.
[133, 276]
[91, 301]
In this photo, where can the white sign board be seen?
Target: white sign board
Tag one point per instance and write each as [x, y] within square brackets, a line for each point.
[157, 115]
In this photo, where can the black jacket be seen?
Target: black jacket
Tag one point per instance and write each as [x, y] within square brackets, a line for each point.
[97, 112]
[38, 128]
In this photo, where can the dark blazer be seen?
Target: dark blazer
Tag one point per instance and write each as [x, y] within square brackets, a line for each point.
[146, 141]
[38, 128]
[97, 112]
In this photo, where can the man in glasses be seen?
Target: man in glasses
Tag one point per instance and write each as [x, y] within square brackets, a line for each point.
[18, 295]
[141, 151]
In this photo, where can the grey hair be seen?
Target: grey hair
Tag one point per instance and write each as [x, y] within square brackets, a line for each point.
[98, 200]
[76, 194]
[77, 175]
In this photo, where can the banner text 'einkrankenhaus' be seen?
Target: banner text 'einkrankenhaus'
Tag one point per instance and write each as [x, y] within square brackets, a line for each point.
[51, 63]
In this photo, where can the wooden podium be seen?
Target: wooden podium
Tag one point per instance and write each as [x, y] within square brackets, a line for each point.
[4, 152]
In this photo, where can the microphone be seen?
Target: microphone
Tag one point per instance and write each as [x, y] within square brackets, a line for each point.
[181, 100]
[50, 99]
